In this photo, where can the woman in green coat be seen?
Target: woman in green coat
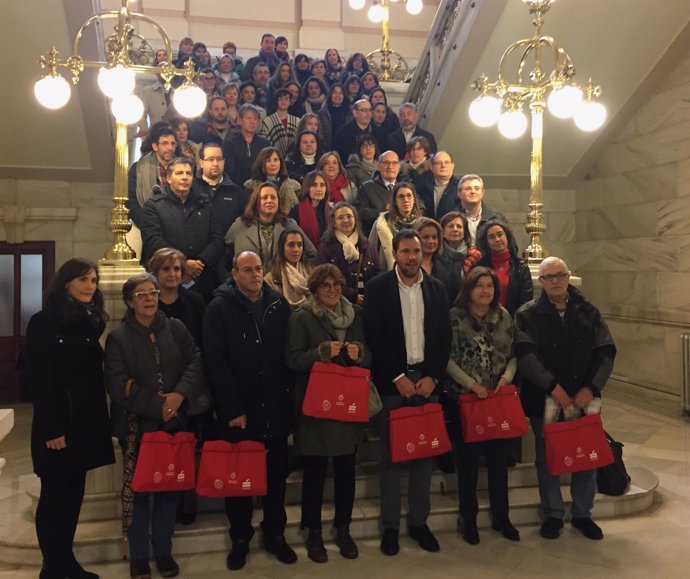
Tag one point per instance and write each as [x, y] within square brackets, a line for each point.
[328, 328]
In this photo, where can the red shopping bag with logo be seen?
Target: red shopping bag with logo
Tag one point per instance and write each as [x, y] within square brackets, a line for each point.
[576, 445]
[338, 393]
[417, 432]
[165, 462]
[498, 416]
[232, 469]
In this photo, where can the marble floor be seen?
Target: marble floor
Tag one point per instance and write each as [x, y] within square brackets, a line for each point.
[653, 544]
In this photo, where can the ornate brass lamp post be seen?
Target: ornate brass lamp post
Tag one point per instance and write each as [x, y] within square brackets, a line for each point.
[392, 65]
[538, 89]
[116, 79]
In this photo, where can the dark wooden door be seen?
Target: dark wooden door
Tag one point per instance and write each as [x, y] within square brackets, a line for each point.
[25, 270]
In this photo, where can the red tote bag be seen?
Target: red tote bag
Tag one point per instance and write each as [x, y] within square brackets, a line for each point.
[576, 445]
[498, 416]
[338, 393]
[417, 432]
[232, 469]
[165, 463]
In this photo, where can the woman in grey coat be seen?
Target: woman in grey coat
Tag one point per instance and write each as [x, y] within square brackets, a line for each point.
[328, 328]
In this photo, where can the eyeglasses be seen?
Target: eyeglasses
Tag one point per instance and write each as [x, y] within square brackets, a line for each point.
[213, 159]
[345, 217]
[389, 163]
[442, 163]
[336, 285]
[554, 276]
[363, 110]
[149, 294]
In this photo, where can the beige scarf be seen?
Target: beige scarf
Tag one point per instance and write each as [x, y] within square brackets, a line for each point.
[349, 245]
[295, 288]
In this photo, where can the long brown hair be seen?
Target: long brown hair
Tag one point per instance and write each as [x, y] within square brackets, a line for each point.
[258, 171]
[56, 296]
[251, 212]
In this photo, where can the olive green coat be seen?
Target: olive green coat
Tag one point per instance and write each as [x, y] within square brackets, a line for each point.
[307, 330]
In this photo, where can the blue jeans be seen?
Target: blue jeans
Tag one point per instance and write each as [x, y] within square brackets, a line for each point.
[161, 523]
[583, 484]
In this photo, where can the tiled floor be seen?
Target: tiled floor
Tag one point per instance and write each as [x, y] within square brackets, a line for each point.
[653, 544]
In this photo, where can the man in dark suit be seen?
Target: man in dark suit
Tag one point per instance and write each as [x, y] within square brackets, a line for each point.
[408, 330]
[397, 140]
[438, 189]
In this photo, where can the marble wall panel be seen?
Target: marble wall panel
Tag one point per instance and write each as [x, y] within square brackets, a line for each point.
[64, 250]
[638, 220]
[627, 132]
[588, 194]
[8, 192]
[664, 109]
[674, 217]
[683, 178]
[621, 288]
[678, 77]
[560, 227]
[602, 224]
[48, 230]
[92, 224]
[619, 255]
[559, 200]
[504, 200]
[683, 245]
[665, 145]
[43, 193]
[609, 162]
[674, 290]
[588, 255]
[92, 194]
[93, 250]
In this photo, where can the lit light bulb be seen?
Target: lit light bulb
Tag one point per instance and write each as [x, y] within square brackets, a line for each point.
[512, 124]
[357, 4]
[189, 100]
[563, 102]
[376, 13]
[52, 92]
[590, 116]
[116, 81]
[485, 110]
[414, 6]
[127, 109]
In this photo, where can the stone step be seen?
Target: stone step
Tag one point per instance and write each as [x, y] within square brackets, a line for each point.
[102, 541]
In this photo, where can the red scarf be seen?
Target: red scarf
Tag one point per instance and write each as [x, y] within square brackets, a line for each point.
[501, 266]
[308, 221]
[334, 188]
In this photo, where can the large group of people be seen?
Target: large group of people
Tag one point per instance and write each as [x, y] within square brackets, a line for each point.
[276, 241]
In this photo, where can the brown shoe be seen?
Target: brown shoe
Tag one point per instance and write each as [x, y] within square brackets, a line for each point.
[345, 543]
[315, 549]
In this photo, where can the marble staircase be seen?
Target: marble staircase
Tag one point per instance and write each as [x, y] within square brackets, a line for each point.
[99, 536]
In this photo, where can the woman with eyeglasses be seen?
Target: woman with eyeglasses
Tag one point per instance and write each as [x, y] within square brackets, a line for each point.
[154, 376]
[362, 164]
[70, 429]
[280, 128]
[482, 359]
[328, 328]
[403, 210]
[345, 246]
[417, 166]
[500, 252]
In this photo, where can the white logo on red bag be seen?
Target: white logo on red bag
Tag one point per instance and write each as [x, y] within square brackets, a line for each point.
[157, 477]
[233, 478]
[326, 405]
[422, 439]
[410, 447]
[218, 484]
[505, 426]
[435, 443]
[352, 408]
[171, 466]
[340, 401]
[490, 420]
[479, 428]
[180, 476]
[579, 453]
[568, 461]
[593, 456]
[247, 485]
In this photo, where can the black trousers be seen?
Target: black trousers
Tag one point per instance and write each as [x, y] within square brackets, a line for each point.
[57, 515]
[239, 509]
[313, 481]
[468, 467]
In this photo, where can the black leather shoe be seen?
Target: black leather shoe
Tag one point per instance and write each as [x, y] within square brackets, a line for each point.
[345, 542]
[315, 549]
[471, 534]
[425, 538]
[588, 528]
[551, 528]
[389, 542]
[282, 551]
[237, 558]
[76, 571]
[507, 530]
[167, 566]
[139, 569]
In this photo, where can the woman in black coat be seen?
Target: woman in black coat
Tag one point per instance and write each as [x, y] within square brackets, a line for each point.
[70, 433]
[499, 252]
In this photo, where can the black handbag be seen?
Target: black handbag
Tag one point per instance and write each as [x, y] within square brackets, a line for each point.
[613, 479]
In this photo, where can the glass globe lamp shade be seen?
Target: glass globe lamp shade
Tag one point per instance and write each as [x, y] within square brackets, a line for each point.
[376, 13]
[189, 100]
[485, 110]
[564, 101]
[116, 81]
[127, 109]
[590, 116]
[52, 92]
[512, 124]
[357, 4]
[414, 6]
